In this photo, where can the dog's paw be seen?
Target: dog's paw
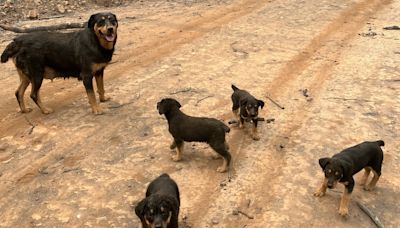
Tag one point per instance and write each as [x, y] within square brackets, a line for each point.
[26, 110]
[343, 212]
[176, 158]
[222, 169]
[255, 137]
[105, 99]
[47, 110]
[97, 110]
[319, 193]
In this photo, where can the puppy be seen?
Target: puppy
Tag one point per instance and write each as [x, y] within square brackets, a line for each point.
[245, 107]
[342, 166]
[46, 55]
[160, 208]
[184, 128]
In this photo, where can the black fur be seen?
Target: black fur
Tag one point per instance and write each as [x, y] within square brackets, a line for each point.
[184, 128]
[248, 107]
[70, 54]
[162, 200]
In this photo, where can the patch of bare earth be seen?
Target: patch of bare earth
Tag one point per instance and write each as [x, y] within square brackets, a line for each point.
[74, 169]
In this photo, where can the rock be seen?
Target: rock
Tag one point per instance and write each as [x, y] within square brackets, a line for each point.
[37, 2]
[60, 8]
[214, 221]
[33, 14]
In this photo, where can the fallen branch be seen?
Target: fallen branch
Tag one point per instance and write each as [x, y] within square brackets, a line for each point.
[203, 99]
[373, 217]
[238, 211]
[43, 28]
[32, 125]
[181, 91]
[279, 106]
[395, 27]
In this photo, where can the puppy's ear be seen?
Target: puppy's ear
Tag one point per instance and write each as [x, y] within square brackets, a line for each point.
[260, 103]
[323, 162]
[178, 104]
[115, 18]
[139, 209]
[91, 21]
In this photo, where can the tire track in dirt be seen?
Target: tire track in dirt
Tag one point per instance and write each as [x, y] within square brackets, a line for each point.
[145, 55]
[341, 30]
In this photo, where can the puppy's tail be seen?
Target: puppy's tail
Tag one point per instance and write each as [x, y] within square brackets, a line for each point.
[234, 87]
[380, 143]
[9, 52]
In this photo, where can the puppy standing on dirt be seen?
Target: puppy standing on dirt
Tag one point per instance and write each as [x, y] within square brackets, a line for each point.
[81, 54]
[160, 208]
[194, 129]
[245, 107]
[342, 166]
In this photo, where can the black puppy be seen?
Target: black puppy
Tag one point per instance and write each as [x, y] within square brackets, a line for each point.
[82, 54]
[342, 166]
[160, 208]
[186, 128]
[245, 107]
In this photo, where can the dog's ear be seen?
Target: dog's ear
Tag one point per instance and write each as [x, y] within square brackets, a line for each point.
[115, 17]
[178, 104]
[140, 207]
[260, 103]
[161, 108]
[92, 21]
[323, 162]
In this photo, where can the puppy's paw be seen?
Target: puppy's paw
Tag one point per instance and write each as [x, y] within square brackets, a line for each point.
[176, 158]
[104, 99]
[47, 110]
[344, 212]
[26, 110]
[97, 110]
[222, 169]
[319, 193]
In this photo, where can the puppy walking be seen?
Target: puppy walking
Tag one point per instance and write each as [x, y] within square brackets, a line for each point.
[160, 208]
[184, 128]
[47, 55]
[245, 108]
[342, 166]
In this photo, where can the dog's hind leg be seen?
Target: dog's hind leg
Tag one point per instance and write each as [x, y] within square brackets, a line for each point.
[179, 150]
[364, 179]
[372, 184]
[221, 148]
[173, 145]
[24, 83]
[100, 85]
[35, 94]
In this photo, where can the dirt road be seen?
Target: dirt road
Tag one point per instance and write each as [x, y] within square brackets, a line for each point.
[74, 169]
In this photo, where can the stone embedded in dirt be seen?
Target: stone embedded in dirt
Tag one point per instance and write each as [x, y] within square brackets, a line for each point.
[37, 2]
[215, 221]
[60, 8]
[33, 14]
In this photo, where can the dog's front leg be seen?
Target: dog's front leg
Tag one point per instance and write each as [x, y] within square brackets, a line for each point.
[100, 86]
[179, 150]
[322, 190]
[255, 135]
[88, 83]
[344, 202]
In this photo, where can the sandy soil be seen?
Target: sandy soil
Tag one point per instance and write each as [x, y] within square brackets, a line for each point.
[74, 169]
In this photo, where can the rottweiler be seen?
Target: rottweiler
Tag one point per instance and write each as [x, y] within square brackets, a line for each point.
[184, 128]
[81, 54]
[160, 208]
[245, 108]
[342, 166]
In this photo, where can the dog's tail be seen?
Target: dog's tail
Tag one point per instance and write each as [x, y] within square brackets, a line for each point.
[9, 52]
[380, 143]
[234, 87]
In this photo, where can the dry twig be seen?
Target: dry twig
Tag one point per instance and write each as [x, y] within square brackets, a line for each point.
[43, 28]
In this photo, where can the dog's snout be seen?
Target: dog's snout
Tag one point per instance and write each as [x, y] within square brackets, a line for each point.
[158, 225]
[110, 30]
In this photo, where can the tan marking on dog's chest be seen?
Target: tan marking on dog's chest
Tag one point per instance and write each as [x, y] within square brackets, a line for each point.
[98, 66]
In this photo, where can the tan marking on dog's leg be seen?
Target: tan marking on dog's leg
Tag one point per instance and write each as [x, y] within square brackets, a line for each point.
[24, 83]
[372, 184]
[100, 88]
[364, 179]
[344, 203]
[41, 106]
[179, 151]
[322, 190]
[254, 134]
[173, 145]
[92, 101]
[224, 166]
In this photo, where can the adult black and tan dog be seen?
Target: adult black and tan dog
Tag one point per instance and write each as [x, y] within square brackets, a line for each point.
[245, 107]
[82, 54]
[160, 208]
[342, 166]
[184, 128]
